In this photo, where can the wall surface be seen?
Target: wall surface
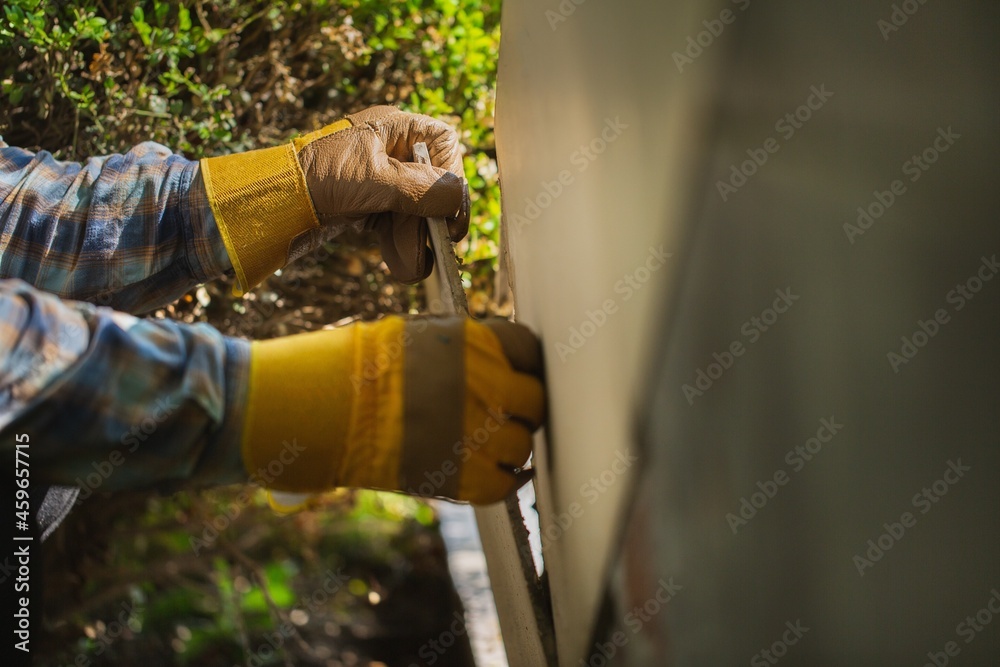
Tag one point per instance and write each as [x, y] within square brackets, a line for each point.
[598, 144]
[811, 390]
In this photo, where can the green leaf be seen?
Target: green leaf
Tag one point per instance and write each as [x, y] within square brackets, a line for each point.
[160, 10]
[183, 19]
[143, 28]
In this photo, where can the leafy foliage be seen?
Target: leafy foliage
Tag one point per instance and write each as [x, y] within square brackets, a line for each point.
[98, 76]
[214, 579]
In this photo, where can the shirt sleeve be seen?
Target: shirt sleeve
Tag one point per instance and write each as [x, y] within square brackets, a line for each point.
[132, 232]
[110, 401]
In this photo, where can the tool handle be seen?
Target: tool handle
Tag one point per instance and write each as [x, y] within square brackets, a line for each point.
[445, 264]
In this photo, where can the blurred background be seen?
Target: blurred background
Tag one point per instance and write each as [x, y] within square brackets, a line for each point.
[214, 577]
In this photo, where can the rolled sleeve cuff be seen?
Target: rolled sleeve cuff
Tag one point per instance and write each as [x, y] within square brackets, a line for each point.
[206, 249]
[222, 463]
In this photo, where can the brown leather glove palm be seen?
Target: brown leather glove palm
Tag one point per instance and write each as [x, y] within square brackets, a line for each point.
[273, 204]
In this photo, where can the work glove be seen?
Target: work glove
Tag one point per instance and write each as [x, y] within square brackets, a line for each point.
[274, 204]
[427, 406]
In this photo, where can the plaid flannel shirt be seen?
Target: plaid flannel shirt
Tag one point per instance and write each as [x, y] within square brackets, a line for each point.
[106, 399]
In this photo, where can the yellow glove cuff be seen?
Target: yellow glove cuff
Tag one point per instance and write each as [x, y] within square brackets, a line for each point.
[261, 203]
[313, 396]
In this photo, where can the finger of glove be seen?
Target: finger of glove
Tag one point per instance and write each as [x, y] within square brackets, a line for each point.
[445, 153]
[515, 449]
[403, 240]
[399, 131]
[524, 400]
[458, 225]
[350, 174]
[373, 114]
[422, 190]
[489, 477]
[521, 347]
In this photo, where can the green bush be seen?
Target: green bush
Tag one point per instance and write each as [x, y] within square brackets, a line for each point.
[97, 76]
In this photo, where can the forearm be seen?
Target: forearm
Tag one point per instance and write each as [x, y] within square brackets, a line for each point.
[132, 232]
[117, 402]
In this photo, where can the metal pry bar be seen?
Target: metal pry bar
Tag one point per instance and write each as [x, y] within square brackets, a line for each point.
[445, 263]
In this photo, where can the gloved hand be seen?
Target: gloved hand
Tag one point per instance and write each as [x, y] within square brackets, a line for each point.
[427, 406]
[274, 204]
